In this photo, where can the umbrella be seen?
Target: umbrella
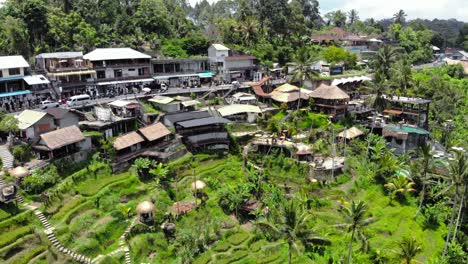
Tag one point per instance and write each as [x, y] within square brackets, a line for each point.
[198, 185]
[19, 172]
[146, 90]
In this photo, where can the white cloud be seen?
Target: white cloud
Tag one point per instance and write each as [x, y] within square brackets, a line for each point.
[428, 9]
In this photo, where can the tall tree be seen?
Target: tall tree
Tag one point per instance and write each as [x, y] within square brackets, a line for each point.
[399, 17]
[425, 158]
[402, 76]
[355, 222]
[302, 71]
[152, 17]
[290, 222]
[384, 59]
[353, 16]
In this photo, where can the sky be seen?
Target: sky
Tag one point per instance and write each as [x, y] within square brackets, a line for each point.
[378, 9]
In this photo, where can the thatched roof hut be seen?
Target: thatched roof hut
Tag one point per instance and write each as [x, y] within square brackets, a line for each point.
[327, 92]
[145, 207]
[19, 172]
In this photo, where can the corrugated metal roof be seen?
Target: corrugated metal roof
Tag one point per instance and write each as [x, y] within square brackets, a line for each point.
[178, 117]
[237, 109]
[190, 103]
[203, 122]
[220, 47]
[115, 54]
[121, 103]
[28, 118]
[9, 62]
[60, 55]
[36, 79]
[161, 99]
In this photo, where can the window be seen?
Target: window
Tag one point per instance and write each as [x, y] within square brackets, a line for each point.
[117, 73]
[101, 74]
[1, 73]
[14, 71]
[158, 68]
[141, 71]
[131, 69]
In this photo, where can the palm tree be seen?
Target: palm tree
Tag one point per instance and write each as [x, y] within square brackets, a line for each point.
[399, 185]
[402, 75]
[291, 223]
[409, 248]
[399, 17]
[160, 172]
[458, 167]
[377, 91]
[339, 18]
[425, 155]
[353, 16]
[249, 30]
[386, 56]
[234, 197]
[302, 61]
[355, 222]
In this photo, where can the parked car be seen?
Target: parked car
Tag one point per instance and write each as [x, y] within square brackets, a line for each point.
[49, 104]
[78, 100]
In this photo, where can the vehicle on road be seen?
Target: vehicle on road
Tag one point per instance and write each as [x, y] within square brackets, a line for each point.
[49, 104]
[78, 100]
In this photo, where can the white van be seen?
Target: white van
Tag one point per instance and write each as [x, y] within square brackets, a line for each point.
[78, 100]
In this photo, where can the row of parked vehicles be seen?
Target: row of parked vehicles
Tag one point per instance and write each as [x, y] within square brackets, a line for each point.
[76, 100]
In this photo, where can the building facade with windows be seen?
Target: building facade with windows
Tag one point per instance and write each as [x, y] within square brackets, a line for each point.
[18, 88]
[69, 73]
[190, 72]
[119, 69]
[229, 65]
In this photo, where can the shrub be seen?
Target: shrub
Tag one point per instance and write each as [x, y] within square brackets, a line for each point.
[204, 258]
[237, 239]
[13, 235]
[22, 153]
[41, 179]
[222, 246]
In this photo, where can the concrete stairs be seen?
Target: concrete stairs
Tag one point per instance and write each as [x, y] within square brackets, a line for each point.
[49, 230]
[6, 156]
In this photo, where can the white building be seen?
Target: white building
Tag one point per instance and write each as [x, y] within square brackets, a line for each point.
[231, 66]
[120, 67]
[17, 84]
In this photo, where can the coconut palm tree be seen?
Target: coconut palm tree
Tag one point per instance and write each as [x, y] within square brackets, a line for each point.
[234, 197]
[425, 156]
[399, 185]
[302, 61]
[353, 16]
[401, 75]
[339, 18]
[386, 56]
[249, 30]
[409, 248]
[399, 17]
[291, 223]
[458, 182]
[356, 221]
[377, 91]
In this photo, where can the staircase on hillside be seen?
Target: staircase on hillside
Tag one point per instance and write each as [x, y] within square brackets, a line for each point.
[6, 156]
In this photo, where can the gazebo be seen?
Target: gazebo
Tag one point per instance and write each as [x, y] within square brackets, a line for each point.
[145, 211]
[350, 133]
[330, 100]
[19, 172]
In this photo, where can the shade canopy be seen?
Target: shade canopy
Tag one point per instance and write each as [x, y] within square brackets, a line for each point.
[350, 133]
[19, 172]
[198, 185]
[145, 207]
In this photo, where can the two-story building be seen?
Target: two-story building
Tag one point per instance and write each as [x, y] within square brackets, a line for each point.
[184, 73]
[18, 88]
[230, 65]
[119, 69]
[69, 73]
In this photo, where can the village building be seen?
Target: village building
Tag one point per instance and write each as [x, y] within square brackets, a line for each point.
[242, 98]
[404, 138]
[34, 123]
[170, 120]
[62, 143]
[18, 88]
[108, 123]
[414, 111]
[350, 134]
[128, 143]
[172, 105]
[290, 94]
[330, 100]
[229, 65]
[459, 55]
[69, 73]
[119, 69]
[240, 112]
[351, 84]
[125, 108]
[182, 73]
[209, 133]
[63, 117]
